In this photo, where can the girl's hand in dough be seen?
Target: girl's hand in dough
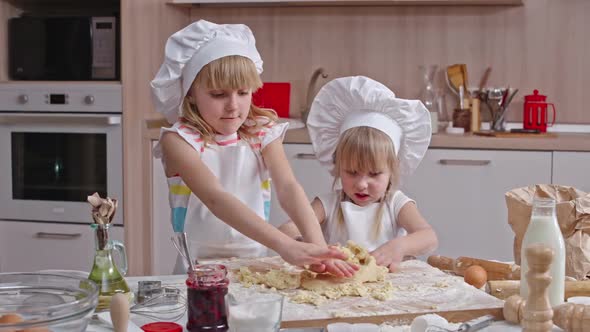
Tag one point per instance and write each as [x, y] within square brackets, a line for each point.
[389, 254]
[340, 268]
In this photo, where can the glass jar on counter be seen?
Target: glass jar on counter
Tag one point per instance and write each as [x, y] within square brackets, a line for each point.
[207, 286]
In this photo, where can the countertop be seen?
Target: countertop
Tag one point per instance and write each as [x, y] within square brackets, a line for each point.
[559, 142]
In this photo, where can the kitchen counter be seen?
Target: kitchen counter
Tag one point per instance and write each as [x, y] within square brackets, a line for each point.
[562, 142]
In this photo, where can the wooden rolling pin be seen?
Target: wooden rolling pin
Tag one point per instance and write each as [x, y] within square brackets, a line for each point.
[503, 289]
[495, 270]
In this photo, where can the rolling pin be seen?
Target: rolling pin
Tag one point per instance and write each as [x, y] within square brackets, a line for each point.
[503, 289]
[495, 270]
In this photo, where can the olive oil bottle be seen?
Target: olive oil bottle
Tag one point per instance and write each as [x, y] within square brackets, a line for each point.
[105, 273]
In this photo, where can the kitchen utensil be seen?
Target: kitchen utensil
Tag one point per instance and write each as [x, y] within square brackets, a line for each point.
[454, 316]
[484, 79]
[535, 112]
[503, 289]
[462, 119]
[53, 302]
[180, 241]
[120, 312]
[167, 304]
[457, 76]
[274, 95]
[495, 270]
[568, 316]
[469, 326]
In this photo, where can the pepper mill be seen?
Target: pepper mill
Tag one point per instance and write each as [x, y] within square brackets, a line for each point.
[537, 314]
[571, 317]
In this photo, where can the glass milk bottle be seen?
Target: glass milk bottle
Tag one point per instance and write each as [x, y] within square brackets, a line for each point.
[544, 228]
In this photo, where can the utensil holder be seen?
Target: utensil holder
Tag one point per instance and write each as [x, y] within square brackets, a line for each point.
[462, 118]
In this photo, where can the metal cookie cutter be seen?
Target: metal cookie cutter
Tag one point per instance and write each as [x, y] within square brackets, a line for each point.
[151, 292]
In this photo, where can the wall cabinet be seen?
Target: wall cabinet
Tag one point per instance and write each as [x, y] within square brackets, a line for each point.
[34, 246]
[572, 169]
[461, 194]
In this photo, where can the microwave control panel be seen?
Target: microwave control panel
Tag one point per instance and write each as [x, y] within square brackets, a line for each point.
[104, 43]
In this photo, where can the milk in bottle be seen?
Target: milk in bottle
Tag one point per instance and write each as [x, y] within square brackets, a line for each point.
[544, 228]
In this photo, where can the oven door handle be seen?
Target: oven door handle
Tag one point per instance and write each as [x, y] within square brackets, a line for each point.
[59, 118]
[58, 236]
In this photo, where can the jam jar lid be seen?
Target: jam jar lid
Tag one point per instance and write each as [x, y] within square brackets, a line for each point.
[162, 327]
[207, 275]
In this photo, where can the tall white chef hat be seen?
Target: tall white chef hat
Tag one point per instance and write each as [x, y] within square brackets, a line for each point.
[359, 101]
[188, 51]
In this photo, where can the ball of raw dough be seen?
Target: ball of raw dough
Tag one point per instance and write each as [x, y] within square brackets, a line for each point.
[476, 276]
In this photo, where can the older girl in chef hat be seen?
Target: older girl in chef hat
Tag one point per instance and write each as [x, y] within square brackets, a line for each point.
[221, 152]
[370, 140]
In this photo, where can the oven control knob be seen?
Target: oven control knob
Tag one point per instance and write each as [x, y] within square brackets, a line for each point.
[23, 99]
[89, 100]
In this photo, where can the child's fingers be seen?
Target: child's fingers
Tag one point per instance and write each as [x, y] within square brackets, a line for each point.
[332, 268]
[318, 268]
[335, 253]
[392, 267]
[352, 268]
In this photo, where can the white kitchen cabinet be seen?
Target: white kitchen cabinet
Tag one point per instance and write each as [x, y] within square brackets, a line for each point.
[33, 246]
[572, 169]
[313, 177]
[461, 194]
[163, 252]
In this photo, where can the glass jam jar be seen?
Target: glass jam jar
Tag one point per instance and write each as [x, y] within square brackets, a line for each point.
[206, 289]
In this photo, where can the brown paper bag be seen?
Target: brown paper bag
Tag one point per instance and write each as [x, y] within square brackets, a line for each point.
[573, 215]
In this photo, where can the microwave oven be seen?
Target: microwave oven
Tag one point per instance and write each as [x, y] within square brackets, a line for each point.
[63, 48]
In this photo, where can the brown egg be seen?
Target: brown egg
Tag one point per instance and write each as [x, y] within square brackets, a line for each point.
[10, 319]
[476, 276]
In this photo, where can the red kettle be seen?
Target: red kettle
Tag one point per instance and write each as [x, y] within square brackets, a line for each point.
[535, 112]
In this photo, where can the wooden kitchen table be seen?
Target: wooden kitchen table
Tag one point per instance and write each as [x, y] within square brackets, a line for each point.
[418, 289]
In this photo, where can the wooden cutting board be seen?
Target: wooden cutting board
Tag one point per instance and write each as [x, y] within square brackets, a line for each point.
[514, 135]
[453, 316]
[418, 289]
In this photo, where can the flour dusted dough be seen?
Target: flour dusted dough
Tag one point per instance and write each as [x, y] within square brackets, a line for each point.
[316, 288]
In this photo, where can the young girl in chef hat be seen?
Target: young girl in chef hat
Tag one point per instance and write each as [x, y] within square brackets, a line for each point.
[222, 151]
[370, 140]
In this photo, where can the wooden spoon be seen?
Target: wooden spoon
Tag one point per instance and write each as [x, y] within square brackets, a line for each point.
[120, 312]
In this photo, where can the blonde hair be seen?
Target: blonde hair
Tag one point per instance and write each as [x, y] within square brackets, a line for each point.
[230, 72]
[366, 149]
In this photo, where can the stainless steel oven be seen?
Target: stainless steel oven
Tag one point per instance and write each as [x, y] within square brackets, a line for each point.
[59, 143]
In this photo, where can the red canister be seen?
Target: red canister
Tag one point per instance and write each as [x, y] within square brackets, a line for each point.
[535, 112]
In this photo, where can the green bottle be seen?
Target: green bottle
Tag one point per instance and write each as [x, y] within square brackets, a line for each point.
[105, 273]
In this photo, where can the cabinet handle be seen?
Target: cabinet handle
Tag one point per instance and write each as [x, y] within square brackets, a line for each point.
[305, 156]
[57, 236]
[465, 162]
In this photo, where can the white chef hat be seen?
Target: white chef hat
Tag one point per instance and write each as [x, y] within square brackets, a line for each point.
[188, 51]
[359, 101]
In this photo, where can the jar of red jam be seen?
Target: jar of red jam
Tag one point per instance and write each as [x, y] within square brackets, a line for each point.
[206, 290]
